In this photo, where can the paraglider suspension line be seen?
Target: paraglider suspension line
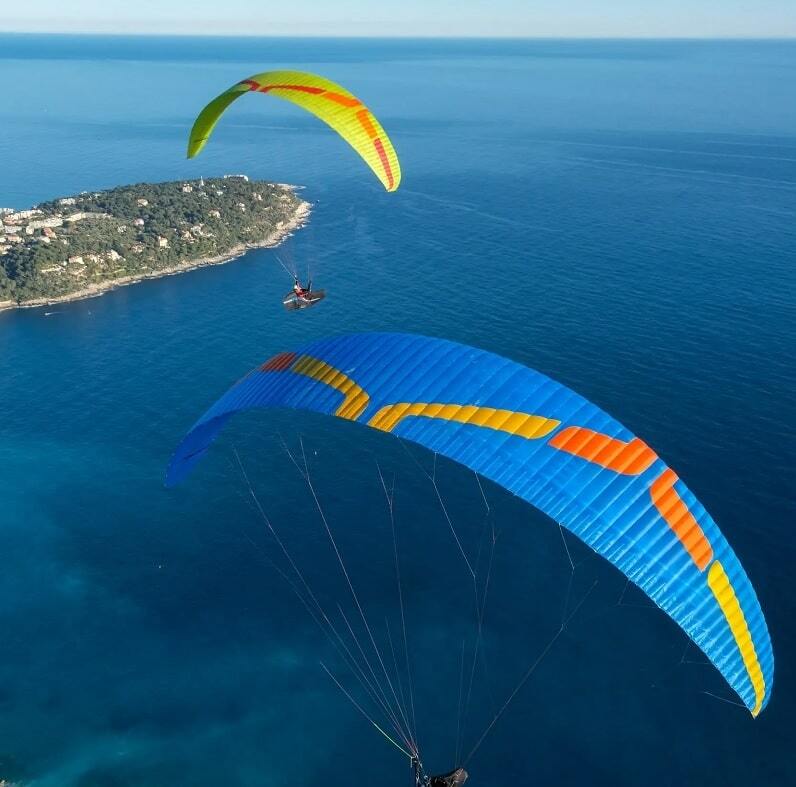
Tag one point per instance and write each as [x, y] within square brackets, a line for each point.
[390, 497]
[362, 711]
[317, 613]
[403, 729]
[293, 273]
[527, 675]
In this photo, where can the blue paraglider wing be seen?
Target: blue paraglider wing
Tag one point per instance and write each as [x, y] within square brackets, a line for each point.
[547, 445]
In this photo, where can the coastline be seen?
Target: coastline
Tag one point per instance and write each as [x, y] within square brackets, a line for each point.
[300, 218]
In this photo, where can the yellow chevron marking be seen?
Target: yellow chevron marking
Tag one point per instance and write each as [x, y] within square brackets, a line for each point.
[720, 585]
[355, 398]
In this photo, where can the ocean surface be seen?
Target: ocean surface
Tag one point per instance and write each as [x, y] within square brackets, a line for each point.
[616, 214]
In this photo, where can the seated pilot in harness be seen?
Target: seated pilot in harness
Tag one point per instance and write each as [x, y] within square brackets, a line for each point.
[454, 778]
[300, 291]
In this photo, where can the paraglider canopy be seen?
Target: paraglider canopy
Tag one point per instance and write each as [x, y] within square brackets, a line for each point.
[332, 103]
[549, 446]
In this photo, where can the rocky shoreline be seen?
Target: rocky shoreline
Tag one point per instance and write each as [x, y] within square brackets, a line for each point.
[300, 218]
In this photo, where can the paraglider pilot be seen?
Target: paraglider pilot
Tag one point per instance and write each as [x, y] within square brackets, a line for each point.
[455, 778]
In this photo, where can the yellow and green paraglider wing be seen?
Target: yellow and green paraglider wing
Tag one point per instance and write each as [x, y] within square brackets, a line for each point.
[325, 99]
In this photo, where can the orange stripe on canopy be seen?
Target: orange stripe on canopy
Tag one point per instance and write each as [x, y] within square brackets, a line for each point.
[339, 98]
[631, 458]
[363, 116]
[278, 363]
[674, 510]
[385, 162]
[301, 88]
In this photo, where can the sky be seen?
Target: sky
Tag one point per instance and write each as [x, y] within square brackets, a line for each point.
[522, 18]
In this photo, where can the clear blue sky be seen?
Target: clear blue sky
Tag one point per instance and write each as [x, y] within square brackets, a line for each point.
[637, 18]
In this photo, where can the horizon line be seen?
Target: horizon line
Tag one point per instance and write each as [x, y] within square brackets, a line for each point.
[551, 37]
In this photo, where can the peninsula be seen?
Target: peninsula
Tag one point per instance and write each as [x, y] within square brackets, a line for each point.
[76, 247]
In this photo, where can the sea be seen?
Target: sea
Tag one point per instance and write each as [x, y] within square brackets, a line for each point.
[617, 214]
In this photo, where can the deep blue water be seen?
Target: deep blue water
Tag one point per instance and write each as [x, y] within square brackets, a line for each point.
[619, 215]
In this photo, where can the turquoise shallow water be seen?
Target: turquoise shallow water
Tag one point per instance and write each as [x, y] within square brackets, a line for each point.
[618, 215]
